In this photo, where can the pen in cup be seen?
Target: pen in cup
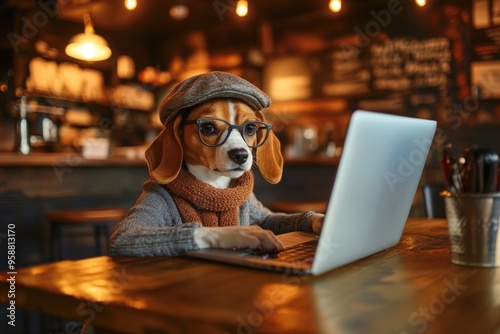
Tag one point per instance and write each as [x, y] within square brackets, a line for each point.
[451, 170]
[446, 162]
[490, 161]
[477, 171]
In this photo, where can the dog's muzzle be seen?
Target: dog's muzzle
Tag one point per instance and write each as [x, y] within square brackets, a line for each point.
[239, 155]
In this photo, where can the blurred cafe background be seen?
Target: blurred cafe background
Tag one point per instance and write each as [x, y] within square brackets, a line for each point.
[75, 120]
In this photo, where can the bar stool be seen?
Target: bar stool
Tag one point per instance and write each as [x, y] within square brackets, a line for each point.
[99, 219]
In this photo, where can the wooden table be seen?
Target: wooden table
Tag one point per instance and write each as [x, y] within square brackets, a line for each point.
[410, 288]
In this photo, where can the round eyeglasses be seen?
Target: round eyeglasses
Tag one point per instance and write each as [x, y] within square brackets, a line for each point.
[215, 131]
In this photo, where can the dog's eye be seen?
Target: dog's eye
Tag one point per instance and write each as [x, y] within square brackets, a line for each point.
[250, 129]
[208, 129]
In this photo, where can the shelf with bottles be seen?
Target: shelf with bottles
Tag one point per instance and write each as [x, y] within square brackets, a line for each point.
[67, 83]
[42, 100]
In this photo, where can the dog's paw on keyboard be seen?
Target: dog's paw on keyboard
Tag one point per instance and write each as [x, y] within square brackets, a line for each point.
[303, 253]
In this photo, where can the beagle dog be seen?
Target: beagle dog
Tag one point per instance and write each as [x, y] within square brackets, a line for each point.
[200, 191]
[194, 140]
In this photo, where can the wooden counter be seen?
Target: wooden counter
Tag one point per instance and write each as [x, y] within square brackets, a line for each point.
[62, 159]
[410, 288]
[31, 185]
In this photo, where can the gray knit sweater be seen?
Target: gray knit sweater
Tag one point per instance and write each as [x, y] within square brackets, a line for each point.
[153, 227]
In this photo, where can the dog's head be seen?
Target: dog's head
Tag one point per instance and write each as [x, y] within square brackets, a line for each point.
[215, 137]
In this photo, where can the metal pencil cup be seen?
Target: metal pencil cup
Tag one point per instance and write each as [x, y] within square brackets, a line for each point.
[473, 227]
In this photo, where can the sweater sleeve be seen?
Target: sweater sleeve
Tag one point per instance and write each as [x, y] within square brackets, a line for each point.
[153, 227]
[277, 222]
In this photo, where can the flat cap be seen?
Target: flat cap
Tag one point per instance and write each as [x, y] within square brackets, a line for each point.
[212, 85]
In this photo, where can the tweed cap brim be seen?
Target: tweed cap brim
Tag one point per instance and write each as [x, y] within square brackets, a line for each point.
[212, 85]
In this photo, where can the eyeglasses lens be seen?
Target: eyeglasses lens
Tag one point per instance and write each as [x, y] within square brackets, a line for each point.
[215, 132]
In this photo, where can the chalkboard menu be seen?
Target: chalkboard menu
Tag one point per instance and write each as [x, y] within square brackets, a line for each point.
[394, 65]
[418, 63]
[403, 64]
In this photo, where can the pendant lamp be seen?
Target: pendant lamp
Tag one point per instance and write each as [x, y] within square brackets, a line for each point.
[88, 46]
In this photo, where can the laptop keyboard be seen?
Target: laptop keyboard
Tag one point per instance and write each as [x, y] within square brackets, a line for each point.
[302, 253]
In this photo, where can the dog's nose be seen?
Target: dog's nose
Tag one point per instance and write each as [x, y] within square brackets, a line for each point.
[239, 155]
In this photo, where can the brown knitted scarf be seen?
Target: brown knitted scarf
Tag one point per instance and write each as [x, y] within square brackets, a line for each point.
[200, 202]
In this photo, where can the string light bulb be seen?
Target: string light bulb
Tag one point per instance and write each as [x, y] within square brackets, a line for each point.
[179, 12]
[335, 5]
[242, 8]
[130, 4]
[421, 3]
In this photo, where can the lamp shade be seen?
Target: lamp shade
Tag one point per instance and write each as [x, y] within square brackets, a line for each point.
[88, 46]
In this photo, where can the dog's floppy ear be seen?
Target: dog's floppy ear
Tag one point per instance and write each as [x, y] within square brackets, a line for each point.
[164, 156]
[269, 158]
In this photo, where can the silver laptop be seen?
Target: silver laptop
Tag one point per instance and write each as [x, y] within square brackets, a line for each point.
[377, 177]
